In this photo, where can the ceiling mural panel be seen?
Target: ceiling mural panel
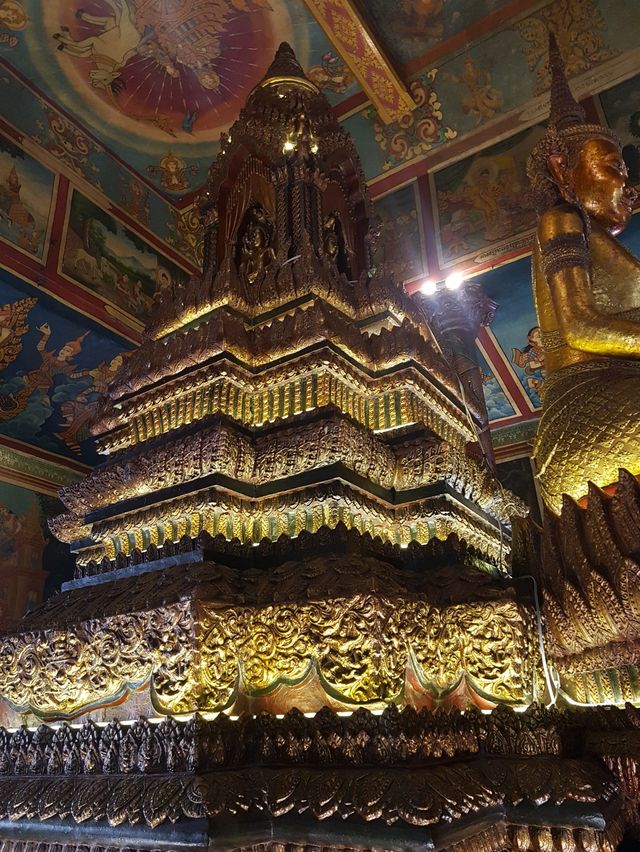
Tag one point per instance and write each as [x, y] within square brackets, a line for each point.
[156, 81]
[503, 76]
[621, 107]
[504, 71]
[480, 202]
[53, 365]
[102, 254]
[159, 80]
[485, 82]
[498, 405]
[401, 245]
[26, 200]
[409, 28]
[328, 70]
[62, 145]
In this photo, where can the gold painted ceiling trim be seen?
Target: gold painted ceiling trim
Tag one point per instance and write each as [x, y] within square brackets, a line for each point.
[350, 35]
[27, 470]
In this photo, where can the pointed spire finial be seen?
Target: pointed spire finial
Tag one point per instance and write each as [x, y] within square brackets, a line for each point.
[565, 110]
[286, 68]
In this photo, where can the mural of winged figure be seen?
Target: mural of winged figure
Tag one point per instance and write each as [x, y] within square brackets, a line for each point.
[178, 38]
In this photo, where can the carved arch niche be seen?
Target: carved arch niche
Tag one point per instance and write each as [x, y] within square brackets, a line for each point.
[249, 185]
[344, 198]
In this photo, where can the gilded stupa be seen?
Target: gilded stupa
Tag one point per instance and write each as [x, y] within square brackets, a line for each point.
[293, 624]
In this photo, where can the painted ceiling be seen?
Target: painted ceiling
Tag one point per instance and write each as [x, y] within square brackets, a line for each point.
[111, 112]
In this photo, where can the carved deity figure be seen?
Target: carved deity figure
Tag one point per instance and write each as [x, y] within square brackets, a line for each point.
[587, 294]
[331, 239]
[333, 242]
[256, 252]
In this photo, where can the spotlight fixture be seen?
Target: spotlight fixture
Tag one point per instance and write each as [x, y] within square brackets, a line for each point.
[429, 287]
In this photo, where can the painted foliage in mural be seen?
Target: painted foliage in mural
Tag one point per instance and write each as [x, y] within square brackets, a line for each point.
[22, 545]
[26, 197]
[113, 261]
[482, 200]
[415, 134]
[53, 367]
[515, 327]
[579, 26]
[400, 245]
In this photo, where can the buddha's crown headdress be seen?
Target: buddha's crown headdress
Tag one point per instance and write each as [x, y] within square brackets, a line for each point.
[566, 133]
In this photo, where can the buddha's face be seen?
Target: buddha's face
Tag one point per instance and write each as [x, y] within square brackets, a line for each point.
[599, 180]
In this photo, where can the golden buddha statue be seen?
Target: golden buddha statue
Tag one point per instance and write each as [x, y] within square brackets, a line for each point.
[587, 295]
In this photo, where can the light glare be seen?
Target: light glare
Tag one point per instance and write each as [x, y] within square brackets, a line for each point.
[453, 281]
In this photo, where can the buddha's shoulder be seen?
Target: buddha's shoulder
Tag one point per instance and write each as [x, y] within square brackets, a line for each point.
[558, 220]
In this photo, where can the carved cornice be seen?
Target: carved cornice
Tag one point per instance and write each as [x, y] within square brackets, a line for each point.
[37, 846]
[438, 794]
[356, 766]
[396, 737]
[291, 451]
[250, 519]
[289, 570]
[321, 379]
[304, 326]
[338, 541]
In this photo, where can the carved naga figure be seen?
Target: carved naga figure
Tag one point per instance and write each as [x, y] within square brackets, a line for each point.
[587, 294]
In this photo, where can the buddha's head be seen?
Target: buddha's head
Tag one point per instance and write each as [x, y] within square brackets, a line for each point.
[595, 178]
[579, 163]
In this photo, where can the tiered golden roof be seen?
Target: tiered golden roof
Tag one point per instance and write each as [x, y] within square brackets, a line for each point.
[310, 361]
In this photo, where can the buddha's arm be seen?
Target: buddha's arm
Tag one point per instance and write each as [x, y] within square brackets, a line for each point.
[565, 260]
